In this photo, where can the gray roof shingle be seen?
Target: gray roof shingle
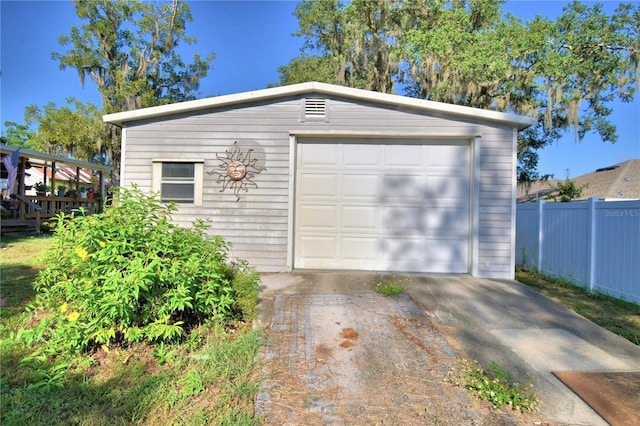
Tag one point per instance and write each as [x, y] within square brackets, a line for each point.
[620, 181]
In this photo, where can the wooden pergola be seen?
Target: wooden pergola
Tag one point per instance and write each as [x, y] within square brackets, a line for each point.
[38, 207]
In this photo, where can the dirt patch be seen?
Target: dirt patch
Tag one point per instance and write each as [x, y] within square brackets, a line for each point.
[392, 371]
[350, 336]
[347, 344]
[349, 333]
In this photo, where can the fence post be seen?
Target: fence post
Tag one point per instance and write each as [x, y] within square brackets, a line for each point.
[541, 204]
[591, 223]
[37, 221]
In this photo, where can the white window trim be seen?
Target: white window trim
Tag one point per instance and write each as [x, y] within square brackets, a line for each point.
[198, 178]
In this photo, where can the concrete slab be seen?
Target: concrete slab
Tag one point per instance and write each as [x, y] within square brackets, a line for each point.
[563, 350]
[527, 334]
[547, 350]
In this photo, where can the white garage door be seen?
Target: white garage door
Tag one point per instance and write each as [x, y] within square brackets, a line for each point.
[387, 206]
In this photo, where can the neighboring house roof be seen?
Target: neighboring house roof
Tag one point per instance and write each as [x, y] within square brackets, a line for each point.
[64, 175]
[437, 108]
[618, 182]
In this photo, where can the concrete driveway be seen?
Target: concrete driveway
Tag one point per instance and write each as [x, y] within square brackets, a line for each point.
[346, 355]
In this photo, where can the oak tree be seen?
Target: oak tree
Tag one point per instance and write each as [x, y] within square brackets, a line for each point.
[565, 72]
[73, 129]
[129, 49]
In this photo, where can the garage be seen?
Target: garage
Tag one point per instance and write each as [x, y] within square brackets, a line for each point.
[383, 205]
[315, 176]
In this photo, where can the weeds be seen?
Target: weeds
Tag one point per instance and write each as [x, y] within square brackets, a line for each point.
[492, 384]
[392, 287]
[163, 355]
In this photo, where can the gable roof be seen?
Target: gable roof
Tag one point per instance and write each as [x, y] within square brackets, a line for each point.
[620, 181]
[121, 118]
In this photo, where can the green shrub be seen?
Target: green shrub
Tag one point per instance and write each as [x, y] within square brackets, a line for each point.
[245, 284]
[129, 274]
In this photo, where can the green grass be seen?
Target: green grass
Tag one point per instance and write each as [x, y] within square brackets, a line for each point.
[392, 286]
[618, 316]
[20, 260]
[214, 384]
[211, 378]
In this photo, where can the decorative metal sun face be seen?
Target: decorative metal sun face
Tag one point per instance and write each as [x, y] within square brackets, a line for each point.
[236, 170]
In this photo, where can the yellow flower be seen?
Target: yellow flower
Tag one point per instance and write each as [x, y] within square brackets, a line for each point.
[73, 316]
[82, 254]
[64, 308]
[89, 282]
[102, 244]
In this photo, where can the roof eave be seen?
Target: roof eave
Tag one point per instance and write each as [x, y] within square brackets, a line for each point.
[27, 153]
[120, 118]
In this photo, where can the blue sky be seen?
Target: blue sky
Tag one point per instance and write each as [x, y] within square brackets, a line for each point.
[251, 40]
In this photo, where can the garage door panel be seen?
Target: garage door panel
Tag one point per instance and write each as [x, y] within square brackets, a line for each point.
[360, 218]
[402, 220]
[361, 155]
[449, 249]
[408, 186]
[319, 155]
[360, 186]
[387, 206]
[358, 249]
[447, 255]
[313, 217]
[404, 156]
[447, 267]
[319, 185]
[403, 250]
[448, 157]
[318, 248]
[448, 220]
[448, 187]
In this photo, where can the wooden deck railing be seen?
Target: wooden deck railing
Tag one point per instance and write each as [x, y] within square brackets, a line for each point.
[26, 213]
[27, 204]
[51, 206]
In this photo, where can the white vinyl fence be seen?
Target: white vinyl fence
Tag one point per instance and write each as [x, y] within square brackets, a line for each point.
[595, 244]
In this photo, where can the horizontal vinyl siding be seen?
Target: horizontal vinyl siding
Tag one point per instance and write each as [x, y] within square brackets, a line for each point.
[496, 204]
[257, 225]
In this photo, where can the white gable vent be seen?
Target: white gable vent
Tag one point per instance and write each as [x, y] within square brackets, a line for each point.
[314, 109]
